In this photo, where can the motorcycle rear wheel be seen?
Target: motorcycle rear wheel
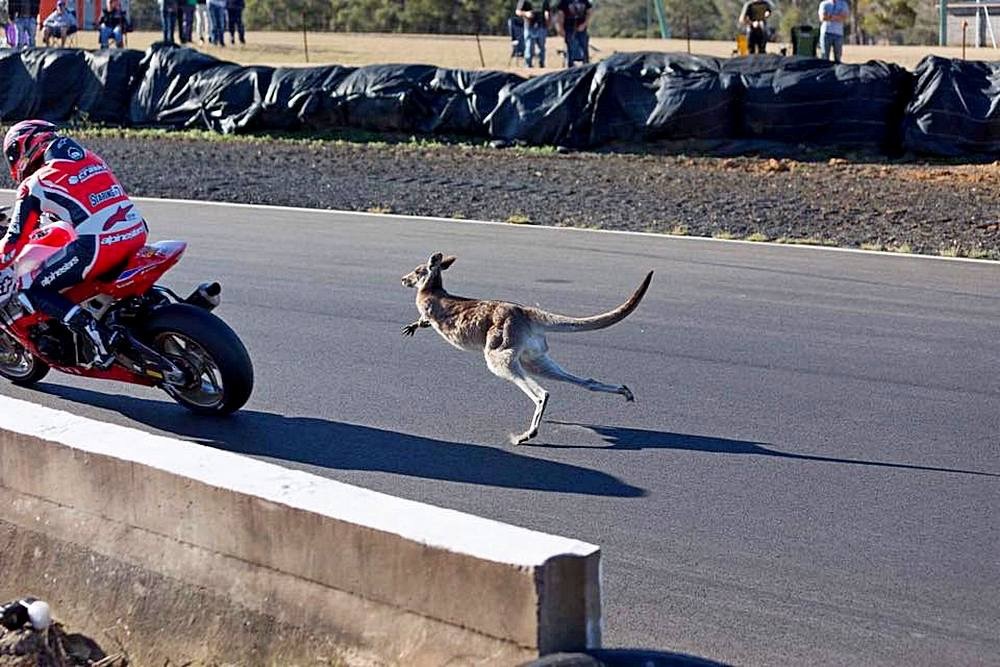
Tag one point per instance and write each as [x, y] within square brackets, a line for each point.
[209, 352]
[18, 365]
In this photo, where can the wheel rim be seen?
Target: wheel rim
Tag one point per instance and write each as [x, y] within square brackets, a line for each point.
[15, 361]
[204, 388]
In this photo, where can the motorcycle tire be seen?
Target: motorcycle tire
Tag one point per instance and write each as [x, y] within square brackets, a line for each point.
[208, 349]
[35, 369]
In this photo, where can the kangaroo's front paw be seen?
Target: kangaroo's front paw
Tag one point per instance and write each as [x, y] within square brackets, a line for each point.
[627, 393]
[410, 329]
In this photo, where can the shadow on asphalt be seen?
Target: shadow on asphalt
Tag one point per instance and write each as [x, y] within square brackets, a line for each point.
[623, 658]
[636, 439]
[337, 445]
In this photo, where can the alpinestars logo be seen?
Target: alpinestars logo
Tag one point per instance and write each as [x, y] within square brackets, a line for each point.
[121, 215]
[113, 192]
[51, 278]
[124, 236]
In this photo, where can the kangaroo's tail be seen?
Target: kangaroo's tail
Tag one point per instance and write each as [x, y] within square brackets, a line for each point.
[553, 322]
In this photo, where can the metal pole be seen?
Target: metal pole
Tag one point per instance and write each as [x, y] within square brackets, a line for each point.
[943, 23]
[482, 61]
[305, 41]
[661, 18]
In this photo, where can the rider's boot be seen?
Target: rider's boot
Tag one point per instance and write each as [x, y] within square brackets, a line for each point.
[103, 341]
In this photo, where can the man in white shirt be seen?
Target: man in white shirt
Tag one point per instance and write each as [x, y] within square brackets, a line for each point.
[60, 24]
[833, 14]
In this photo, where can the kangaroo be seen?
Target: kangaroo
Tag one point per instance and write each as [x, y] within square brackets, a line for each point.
[511, 337]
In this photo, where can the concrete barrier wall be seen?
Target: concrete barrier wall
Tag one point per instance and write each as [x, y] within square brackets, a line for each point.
[185, 552]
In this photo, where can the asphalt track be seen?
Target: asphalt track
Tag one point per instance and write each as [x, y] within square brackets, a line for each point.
[810, 474]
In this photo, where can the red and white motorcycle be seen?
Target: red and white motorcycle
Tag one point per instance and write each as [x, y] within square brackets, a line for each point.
[178, 345]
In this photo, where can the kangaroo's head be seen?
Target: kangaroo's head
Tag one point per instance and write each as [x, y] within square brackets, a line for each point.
[428, 276]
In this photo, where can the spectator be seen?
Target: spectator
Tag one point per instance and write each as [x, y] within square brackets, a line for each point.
[832, 15]
[536, 29]
[201, 20]
[168, 17]
[234, 14]
[572, 20]
[24, 14]
[113, 24]
[753, 19]
[217, 20]
[187, 19]
[60, 24]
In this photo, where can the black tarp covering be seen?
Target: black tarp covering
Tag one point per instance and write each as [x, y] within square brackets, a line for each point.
[303, 97]
[815, 102]
[955, 108]
[648, 96]
[548, 109]
[744, 103]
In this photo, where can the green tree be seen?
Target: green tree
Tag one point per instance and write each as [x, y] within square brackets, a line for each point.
[886, 19]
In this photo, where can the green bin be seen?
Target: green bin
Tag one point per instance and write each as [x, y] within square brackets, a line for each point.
[805, 39]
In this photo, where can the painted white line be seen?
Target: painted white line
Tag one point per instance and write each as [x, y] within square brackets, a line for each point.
[705, 239]
[426, 524]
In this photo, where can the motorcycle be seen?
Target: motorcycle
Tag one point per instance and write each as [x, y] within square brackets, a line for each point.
[178, 345]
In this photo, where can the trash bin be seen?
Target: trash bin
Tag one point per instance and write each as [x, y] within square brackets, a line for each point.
[805, 38]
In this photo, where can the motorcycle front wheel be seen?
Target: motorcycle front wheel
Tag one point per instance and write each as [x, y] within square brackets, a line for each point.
[219, 370]
[18, 365]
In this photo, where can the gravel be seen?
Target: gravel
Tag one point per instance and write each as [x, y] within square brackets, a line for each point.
[871, 203]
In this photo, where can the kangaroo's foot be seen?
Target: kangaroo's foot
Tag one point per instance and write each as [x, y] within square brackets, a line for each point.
[520, 439]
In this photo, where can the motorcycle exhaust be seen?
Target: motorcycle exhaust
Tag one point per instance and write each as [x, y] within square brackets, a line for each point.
[206, 296]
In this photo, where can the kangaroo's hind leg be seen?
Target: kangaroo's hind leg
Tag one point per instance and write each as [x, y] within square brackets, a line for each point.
[544, 366]
[505, 364]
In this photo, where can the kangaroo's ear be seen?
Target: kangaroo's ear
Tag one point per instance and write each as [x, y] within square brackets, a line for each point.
[434, 260]
[447, 261]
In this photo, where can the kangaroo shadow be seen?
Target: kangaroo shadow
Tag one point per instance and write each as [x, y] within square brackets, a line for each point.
[623, 658]
[636, 439]
[336, 445]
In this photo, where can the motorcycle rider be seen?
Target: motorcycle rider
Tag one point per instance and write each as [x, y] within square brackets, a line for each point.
[58, 178]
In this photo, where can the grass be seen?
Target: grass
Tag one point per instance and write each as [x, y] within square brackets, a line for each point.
[518, 219]
[805, 240]
[723, 234]
[759, 237]
[345, 137]
[461, 51]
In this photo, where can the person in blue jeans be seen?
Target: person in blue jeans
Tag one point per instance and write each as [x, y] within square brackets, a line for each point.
[113, 24]
[217, 22]
[572, 20]
[833, 14]
[234, 14]
[168, 17]
[536, 29]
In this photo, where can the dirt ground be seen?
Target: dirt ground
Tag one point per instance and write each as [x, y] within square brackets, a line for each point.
[462, 51]
[878, 205]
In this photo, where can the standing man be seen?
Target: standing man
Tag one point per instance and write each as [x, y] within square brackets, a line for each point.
[536, 29]
[168, 14]
[833, 14]
[572, 20]
[187, 19]
[24, 14]
[217, 22]
[753, 19]
[234, 16]
[201, 20]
